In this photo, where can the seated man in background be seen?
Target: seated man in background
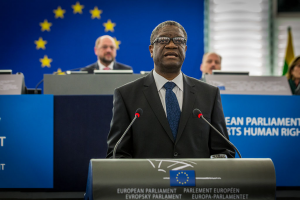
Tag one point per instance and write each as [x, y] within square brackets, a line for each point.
[293, 75]
[105, 50]
[210, 61]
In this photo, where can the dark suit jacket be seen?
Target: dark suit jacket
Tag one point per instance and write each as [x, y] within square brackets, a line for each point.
[95, 66]
[151, 136]
[297, 91]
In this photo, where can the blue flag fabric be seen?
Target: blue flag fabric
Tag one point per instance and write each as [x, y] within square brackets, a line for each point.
[182, 178]
[41, 37]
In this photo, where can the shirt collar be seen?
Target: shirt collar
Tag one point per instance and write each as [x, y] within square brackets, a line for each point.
[204, 74]
[101, 67]
[161, 81]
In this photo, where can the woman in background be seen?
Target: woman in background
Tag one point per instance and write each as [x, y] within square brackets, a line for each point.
[293, 74]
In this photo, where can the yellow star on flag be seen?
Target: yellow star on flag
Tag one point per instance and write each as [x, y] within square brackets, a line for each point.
[117, 43]
[59, 12]
[40, 44]
[109, 26]
[59, 72]
[96, 13]
[77, 8]
[46, 61]
[45, 25]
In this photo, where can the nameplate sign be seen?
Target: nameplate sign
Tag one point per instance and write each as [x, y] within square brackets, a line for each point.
[12, 84]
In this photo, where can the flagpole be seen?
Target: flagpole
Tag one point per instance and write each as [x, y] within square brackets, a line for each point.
[289, 52]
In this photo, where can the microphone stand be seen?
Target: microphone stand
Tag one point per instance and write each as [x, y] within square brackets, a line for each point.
[222, 136]
[117, 144]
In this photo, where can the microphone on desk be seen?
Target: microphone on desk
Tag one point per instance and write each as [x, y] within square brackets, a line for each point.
[36, 87]
[197, 113]
[137, 114]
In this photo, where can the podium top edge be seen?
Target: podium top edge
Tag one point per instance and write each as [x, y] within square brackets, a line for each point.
[181, 159]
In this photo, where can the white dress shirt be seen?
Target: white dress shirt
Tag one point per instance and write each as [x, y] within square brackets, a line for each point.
[178, 89]
[101, 67]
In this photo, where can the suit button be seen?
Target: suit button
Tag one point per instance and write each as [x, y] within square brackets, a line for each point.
[175, 154]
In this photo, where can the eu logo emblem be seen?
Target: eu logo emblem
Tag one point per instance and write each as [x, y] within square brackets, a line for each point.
[182, 178]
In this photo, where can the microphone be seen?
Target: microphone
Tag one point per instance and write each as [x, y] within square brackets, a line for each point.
[36, 90]
[197, 113]
[137, 114]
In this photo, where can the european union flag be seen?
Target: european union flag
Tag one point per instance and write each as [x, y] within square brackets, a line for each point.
[182, 178]
[42, 37]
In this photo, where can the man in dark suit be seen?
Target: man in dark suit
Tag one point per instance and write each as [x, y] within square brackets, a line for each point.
[167, 128]
[105, 50]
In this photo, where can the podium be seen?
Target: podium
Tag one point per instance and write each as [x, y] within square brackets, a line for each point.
[86, 84]
[181, 179]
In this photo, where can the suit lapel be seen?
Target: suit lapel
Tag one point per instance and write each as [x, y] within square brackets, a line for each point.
[97, 66]
[187, 106]
[115, 65]
[151, 94]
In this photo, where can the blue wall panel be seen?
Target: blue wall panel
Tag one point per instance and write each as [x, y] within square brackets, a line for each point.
[26, 129]
[270, 129]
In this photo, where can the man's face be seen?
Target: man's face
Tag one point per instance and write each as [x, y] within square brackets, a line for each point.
[168, 58]
[210, 62]
[106, 50]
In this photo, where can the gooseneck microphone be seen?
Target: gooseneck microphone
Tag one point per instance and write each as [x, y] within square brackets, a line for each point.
[197, 113]
[36, 90]
[137, 114]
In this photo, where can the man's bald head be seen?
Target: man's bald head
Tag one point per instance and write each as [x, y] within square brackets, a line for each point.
[210, 61]
[104, 37]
